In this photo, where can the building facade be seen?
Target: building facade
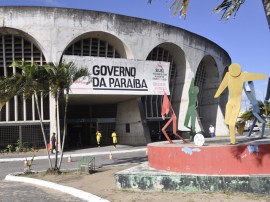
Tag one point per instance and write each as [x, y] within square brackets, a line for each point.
[42, 35]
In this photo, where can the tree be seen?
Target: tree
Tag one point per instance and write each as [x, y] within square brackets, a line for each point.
[6, 90]
[264, 111]
[62, 76]
[229, 7]
[31, 79]
[178, 6]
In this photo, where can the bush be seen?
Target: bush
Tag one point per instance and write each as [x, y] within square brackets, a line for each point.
[10, 148]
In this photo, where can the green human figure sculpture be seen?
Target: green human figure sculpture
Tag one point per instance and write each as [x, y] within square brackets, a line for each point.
[191, 112]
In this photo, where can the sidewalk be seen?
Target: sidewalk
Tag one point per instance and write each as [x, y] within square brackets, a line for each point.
[76, 188]
[93, 151]
[101, 186]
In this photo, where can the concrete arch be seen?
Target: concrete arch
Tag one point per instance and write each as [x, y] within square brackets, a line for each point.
[207, 80]
[177, 80]
[53, 30]
[172, 53]
[24, 35]
[113, 40]
[224, 96]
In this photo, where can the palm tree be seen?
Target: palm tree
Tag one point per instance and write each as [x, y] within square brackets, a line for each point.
[6, 90]
[62, 76]
[264, 111]
[178, 6]
[30, 80]
[266, 5]
[229, 7]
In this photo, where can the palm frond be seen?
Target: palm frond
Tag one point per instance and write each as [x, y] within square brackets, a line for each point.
[180, 6]
[229, 8]
[31, 78]
[63, 75]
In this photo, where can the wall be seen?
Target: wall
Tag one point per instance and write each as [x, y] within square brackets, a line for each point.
[54, 29]
[128, 112]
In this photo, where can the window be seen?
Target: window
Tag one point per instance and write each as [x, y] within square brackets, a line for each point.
[127, 128]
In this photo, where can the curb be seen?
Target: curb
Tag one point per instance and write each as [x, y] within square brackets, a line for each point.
[74, 155]
[65, 189]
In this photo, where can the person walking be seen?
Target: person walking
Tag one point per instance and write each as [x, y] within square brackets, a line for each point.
[114, 138]
[98, 137]
[212, 131]
[53, 141]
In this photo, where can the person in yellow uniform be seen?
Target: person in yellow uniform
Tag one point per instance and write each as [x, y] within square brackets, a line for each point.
[114, 137]
[98, 136]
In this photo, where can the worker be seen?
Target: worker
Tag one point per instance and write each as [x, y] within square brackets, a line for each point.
[98, 137]
[114, 138]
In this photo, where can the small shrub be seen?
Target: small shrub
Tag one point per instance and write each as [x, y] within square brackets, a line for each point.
[10, 148]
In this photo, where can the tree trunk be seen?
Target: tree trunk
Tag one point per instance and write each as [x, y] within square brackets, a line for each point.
[57, 126]
[42, 129]
[64, 132]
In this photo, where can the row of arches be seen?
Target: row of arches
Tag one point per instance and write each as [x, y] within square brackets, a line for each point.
[17, 45]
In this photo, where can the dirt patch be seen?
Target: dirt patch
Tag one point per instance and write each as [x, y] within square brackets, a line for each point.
[102, 183]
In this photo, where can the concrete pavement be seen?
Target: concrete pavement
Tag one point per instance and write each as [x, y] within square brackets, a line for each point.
[24, 192]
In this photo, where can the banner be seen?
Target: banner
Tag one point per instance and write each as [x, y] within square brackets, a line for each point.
[121, 76]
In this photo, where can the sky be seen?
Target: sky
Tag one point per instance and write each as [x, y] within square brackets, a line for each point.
[245, 37]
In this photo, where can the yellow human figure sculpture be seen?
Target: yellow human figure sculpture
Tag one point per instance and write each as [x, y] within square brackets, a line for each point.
[234, 79]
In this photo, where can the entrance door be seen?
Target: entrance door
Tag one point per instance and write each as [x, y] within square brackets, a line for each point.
[82, 132]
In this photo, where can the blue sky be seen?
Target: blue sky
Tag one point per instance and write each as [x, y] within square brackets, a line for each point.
[246, 38]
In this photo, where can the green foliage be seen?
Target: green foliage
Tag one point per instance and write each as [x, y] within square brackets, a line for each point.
[7, 89]
[63, 75]
[30, 78]
[264, 111]
[19, 146]
[229, 8]
[10, 148]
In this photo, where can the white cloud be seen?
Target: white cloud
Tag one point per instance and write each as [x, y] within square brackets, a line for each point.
[49, 2]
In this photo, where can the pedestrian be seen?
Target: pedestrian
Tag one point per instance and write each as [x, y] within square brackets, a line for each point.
[53, 141]
[98, 136]
[114, 138]
[212, 131]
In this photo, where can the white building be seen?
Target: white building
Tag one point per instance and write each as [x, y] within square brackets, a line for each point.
[41, 34]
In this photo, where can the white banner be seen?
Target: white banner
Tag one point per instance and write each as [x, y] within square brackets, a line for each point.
[121, 76]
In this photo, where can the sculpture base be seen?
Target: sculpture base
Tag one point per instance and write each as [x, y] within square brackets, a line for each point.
[251, 156]
[145, 178]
